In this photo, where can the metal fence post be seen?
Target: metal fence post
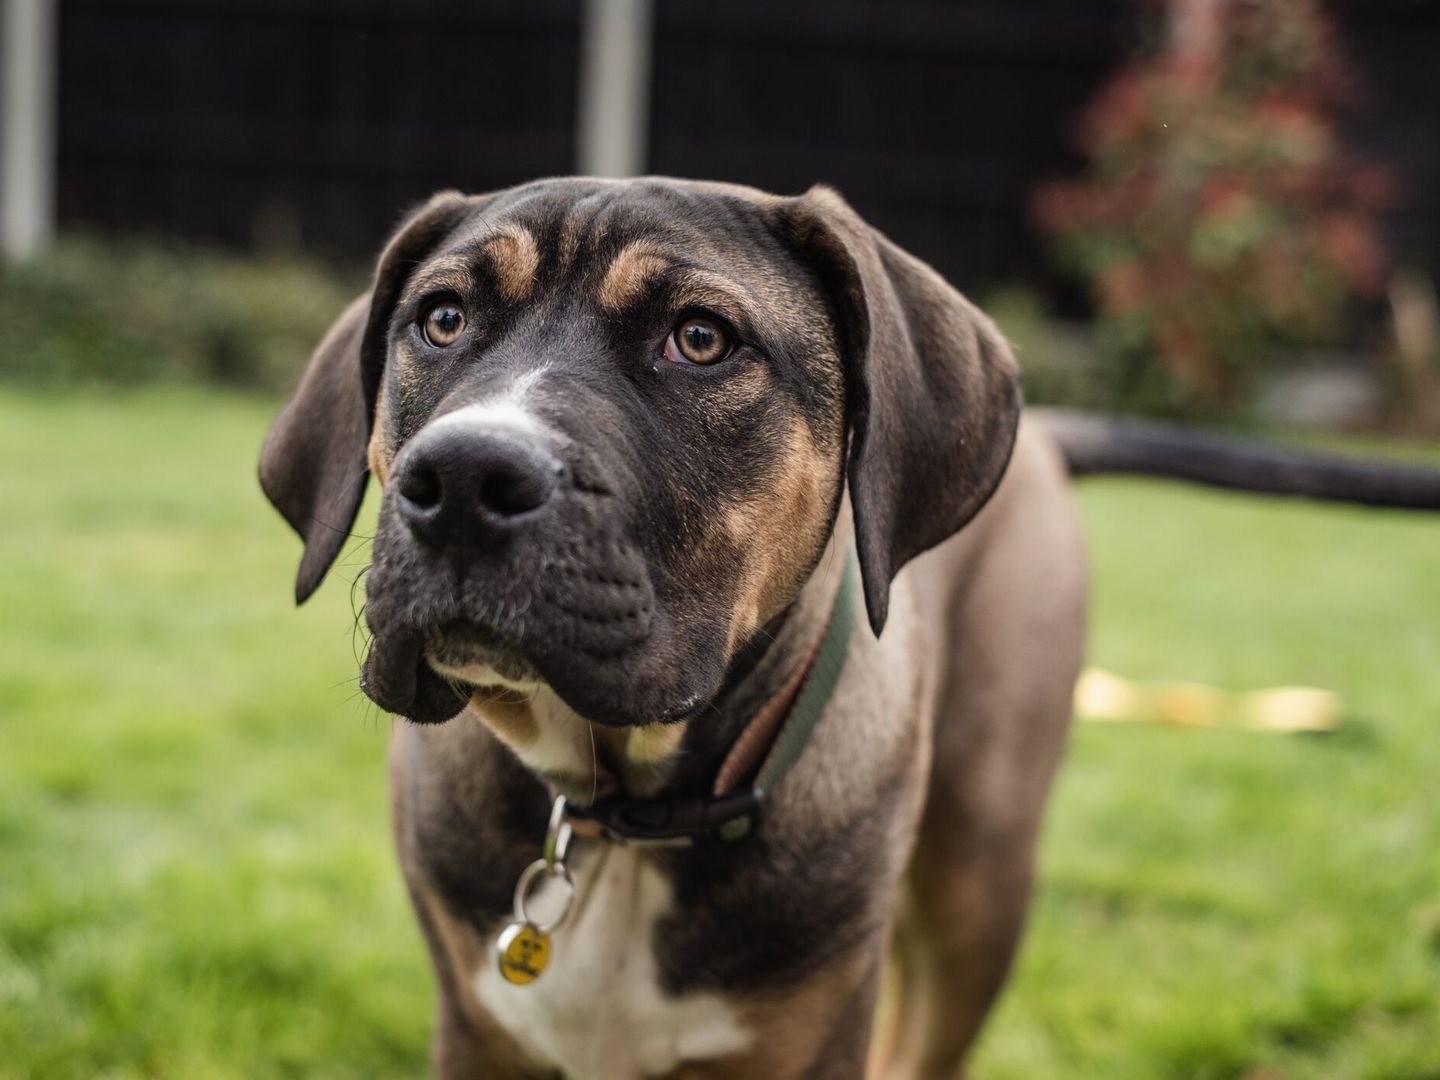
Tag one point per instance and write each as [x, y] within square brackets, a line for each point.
[613, 118]
[27, 126]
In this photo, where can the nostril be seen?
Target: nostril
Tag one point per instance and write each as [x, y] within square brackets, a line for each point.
[420, 486]
[509, 492]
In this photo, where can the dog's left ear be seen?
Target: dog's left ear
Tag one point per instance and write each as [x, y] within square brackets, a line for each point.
[932, 389]
[313, 465]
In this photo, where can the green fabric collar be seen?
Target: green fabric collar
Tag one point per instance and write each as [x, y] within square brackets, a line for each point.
[819, 684]
[680, 821]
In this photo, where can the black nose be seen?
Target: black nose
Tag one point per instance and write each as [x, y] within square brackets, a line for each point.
[457, 485]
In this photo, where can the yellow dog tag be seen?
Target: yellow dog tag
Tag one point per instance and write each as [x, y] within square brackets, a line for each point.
[523, 948]
[522, 952]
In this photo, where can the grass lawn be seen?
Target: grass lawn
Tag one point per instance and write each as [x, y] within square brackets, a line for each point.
[195, 870]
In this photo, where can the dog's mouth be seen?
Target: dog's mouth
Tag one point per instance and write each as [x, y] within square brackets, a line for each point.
[577, 607]
[592, 634]
[430, 677]
[469, 653]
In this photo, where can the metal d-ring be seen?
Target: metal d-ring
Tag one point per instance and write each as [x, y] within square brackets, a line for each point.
[522, 890]
[557, 836]
[552, 864]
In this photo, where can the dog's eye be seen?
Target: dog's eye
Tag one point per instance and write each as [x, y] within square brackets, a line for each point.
[443, 324]
[697, 340]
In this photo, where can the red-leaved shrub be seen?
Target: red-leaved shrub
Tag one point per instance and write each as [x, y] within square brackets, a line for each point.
[1220, 215]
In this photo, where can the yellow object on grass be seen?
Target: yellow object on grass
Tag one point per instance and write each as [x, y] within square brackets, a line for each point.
[1105, 697]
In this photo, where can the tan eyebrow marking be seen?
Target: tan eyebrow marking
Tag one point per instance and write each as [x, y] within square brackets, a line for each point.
[629, 272]
[450, 273]
[704, 288]
[515, 258]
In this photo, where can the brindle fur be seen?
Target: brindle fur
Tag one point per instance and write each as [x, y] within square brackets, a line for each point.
[693, 559]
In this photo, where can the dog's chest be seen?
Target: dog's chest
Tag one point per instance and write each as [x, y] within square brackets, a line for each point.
[599, 1012]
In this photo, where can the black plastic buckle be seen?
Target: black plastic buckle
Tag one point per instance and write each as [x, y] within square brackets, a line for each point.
[676, 822]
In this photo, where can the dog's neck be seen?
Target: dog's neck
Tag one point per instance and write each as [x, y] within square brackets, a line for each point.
[586, 761]
[760, 671]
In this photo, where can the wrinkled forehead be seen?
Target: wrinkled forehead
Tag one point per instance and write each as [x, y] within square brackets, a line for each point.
[615, 243]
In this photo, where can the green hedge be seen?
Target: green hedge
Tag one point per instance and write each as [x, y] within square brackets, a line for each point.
[134, 311]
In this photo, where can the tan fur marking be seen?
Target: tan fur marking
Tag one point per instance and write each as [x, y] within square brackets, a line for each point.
[508, 714]
[704, 288]
[516, 260]
[650, 743]
[650, 752]
[446, 272]
[779, 532]
[378, 459]
[629, 272]
[378, 454]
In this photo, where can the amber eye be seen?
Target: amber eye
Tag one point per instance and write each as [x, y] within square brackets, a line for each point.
[698, 340]
[443, 324]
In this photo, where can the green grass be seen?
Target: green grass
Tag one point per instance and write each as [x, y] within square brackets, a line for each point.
[195, 871]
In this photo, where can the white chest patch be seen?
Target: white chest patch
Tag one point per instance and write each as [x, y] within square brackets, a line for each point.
[598, 1012]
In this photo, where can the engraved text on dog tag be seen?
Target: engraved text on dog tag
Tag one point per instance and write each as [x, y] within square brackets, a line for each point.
[522, 951]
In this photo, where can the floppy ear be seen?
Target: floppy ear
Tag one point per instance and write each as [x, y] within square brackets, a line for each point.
[933, 392]
[313, 465]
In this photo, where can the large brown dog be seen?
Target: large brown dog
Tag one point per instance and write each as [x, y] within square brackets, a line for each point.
[629, 435]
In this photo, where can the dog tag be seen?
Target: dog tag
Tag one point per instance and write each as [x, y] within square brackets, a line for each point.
[523, 948]
[522, 952]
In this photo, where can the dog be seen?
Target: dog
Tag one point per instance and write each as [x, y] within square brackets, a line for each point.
[732, 599]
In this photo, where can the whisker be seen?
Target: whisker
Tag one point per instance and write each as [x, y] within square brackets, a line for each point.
[594, 763]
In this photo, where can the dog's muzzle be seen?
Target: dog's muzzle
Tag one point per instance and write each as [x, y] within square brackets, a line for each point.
[493, 567]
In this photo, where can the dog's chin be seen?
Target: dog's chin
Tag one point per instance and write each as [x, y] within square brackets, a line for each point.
[430, 678]
[468, 654]
[483, 673]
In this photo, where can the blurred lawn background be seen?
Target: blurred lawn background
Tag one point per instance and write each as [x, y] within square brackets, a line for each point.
[195, 868]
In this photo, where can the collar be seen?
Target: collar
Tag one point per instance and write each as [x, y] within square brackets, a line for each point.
[770, 744]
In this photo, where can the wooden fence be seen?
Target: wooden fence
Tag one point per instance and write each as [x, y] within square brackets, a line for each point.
[312, 122]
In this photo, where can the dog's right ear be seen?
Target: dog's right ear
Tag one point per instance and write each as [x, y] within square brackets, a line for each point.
[932, 391]
[313, 465]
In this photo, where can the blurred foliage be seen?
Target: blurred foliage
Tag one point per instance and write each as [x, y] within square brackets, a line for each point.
[133, 311]
[1220, 219]
[1057, 359]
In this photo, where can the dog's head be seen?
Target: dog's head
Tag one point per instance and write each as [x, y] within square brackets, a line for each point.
[614, 422]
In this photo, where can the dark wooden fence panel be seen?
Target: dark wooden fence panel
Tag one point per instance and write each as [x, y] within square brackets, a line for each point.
[301, 119]
[934, 119]
[315, 121]
[1394, 45]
